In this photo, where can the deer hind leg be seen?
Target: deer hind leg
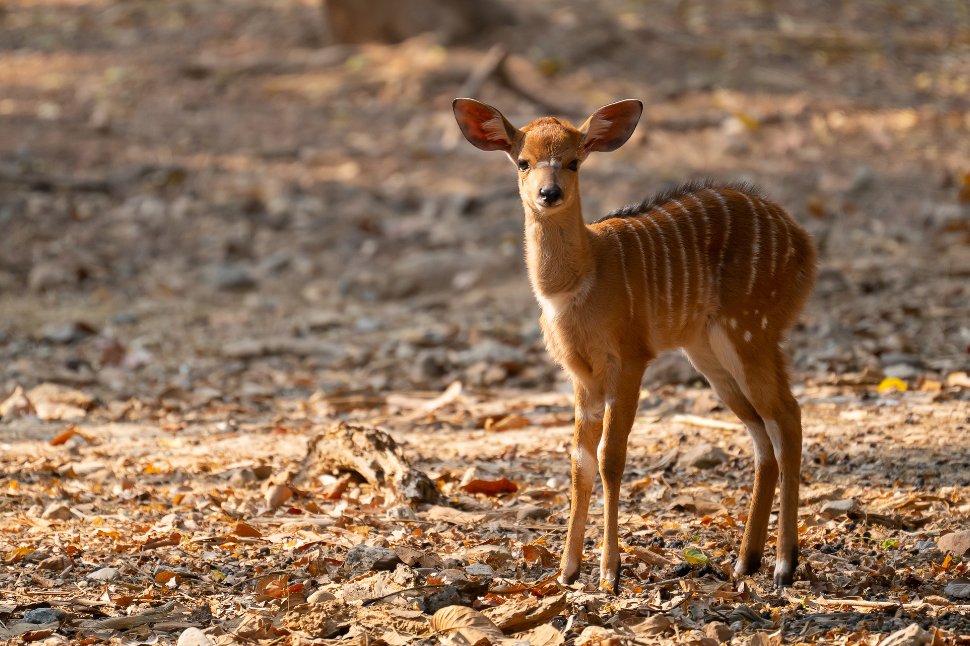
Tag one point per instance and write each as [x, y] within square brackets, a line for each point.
[589, 429]
[706, 361]
[763, 378]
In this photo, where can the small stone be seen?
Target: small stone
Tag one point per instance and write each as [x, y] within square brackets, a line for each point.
[533, 512]
[242, 478]
[493, 555]
[193, 637]
[230, 278]
[401, 512]
[902, 371]
[320, 596]
[936, 600]
[370, 557]
[956, 543]
[57, 511]
[719, 631]
[276, 495]
[104, 574]
[596, 636]
[56, 563]
[704, 456]
[912, 635]
[44, 615]
[479, 569]
[836, 508]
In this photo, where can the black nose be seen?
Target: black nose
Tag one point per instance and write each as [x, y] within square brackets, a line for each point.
[550, 195]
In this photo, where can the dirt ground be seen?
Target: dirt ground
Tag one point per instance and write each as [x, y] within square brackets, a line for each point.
[220, 233]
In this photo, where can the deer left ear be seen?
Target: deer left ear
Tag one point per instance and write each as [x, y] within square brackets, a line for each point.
[611, 126]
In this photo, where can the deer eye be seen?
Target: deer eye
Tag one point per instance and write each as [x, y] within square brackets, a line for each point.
[573, 165]
[523, 165]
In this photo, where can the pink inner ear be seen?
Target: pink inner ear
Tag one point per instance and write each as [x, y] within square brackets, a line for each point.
[485, 125]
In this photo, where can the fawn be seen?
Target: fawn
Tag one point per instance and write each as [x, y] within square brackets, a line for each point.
[716, 270]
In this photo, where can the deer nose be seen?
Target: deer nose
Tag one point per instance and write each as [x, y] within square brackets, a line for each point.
[550, 196]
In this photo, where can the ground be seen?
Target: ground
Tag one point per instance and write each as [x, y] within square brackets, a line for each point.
[222, 233]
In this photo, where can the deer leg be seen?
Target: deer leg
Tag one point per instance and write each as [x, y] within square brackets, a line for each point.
[763, 378]
[589, 428]
[620, 411]
[706, 361]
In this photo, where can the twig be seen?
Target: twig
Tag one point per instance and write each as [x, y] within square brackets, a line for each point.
[39, 182]
[696, 420]
[485, 68]
[258, 576]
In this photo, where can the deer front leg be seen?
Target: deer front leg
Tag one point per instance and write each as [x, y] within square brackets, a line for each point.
[620, 411]
[589, 428]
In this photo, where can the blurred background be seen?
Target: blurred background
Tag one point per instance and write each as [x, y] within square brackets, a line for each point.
[249, 199]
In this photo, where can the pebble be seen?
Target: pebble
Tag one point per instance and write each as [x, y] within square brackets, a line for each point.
[926, 546]
[704, 456]
[320, 596]
[479, 569]
[836, 508]
[104, 574]
[193, 637]
[493, 555]
[230, 278]
[57, 511]
[956, 543]
[44, 615]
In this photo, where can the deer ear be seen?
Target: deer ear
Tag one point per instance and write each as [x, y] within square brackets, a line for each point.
[483, 126]
[609, 127]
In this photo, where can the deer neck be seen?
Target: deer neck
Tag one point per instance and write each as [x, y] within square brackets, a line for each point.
[558, 256]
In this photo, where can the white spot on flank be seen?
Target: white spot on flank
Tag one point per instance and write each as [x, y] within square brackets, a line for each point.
[747, 335]
[773, 292]
[764, 322]
[734, 324]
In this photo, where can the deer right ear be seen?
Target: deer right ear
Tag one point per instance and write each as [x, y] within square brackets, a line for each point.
[483, 126]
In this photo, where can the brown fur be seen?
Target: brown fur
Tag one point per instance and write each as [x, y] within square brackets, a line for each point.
[715, 270]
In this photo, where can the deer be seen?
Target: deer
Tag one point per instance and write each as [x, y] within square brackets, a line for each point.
[716, 270]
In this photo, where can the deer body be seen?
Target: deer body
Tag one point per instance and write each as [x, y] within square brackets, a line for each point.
[716, 270]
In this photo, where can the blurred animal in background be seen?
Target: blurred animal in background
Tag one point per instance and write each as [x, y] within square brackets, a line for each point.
[717, 270]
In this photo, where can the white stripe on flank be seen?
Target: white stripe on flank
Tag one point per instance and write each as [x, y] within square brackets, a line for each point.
[727, 235]
[626, 278]
[787, 227]
[707, 247]
[651, 277]
[699, 268]
[755, 245]
[670, 274]
[771, 237]
[683, 258]
[643, 260]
